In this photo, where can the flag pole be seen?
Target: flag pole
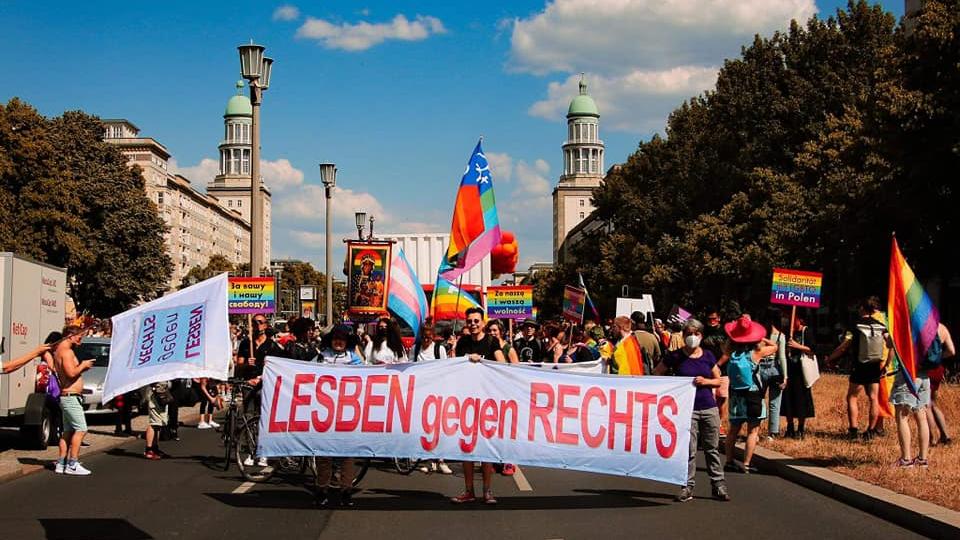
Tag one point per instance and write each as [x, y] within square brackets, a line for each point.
[456, 308]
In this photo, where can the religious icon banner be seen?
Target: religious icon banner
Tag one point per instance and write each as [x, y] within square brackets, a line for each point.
[368, 264]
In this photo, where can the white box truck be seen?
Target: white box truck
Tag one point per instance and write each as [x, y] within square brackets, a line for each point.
[32, 297]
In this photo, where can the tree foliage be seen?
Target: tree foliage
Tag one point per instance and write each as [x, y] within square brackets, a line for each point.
[69, 199]
[815, 145]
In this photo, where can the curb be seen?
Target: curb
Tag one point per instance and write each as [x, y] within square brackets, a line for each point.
[914, 514]
[187, 415]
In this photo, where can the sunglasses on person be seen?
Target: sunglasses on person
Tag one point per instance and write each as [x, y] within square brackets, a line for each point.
[474, 321]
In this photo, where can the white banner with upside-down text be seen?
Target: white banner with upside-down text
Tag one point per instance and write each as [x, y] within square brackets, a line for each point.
[459, 410]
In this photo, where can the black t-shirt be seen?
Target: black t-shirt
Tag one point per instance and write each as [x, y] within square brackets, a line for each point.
[529, 350]
[485, 347]
[268, 348]
[300, 351]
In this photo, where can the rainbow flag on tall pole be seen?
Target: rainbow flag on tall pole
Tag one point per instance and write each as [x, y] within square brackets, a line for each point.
[476, 228]
[912, 319]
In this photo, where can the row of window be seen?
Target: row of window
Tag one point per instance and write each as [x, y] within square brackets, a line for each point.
[582, 132]
[235, 161]
[582, 160]
[237, 133]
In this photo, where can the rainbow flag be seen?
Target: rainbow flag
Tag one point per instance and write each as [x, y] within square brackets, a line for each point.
[629, 356]
[886, 379]
[912, 318]
[449, 302]
[406, 299]
[476, 228]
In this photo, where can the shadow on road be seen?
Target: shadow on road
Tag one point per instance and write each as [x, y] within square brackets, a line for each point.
[92, 529]
[412, 500]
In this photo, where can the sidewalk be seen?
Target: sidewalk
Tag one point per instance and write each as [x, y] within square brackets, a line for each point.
[920, 516]
[15, 463]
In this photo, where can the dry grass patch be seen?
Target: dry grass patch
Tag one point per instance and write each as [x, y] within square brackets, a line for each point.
[826, 445]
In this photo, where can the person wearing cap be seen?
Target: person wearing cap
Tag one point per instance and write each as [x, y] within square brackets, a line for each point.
[528, 346]
[748, 345]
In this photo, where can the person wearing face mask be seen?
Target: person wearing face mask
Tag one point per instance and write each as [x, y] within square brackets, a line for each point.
[692, 360]
[386, 347]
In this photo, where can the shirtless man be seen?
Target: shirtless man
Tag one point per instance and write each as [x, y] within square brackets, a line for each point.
[69, 371]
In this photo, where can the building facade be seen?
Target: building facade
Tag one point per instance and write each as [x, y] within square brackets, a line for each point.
[198, 226]
[582, 168]
[231, 185]
[424, 252]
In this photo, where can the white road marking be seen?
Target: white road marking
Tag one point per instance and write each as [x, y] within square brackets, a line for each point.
[521, 480]
[244, 487]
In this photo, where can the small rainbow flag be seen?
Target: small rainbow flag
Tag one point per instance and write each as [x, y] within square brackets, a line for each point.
[912, 319]
[449, 302]
[629, 356]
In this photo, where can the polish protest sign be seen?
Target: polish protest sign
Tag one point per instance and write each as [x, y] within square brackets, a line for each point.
[796, 288]
[510, 302]
[573, 302]
[487, 411]
[179, 336]
[252, 296]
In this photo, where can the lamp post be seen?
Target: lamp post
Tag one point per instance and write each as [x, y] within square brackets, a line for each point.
[328, 174]
[361, 219]
[255, 68]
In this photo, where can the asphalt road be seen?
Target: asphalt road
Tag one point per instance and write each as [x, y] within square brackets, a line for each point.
[188, 496]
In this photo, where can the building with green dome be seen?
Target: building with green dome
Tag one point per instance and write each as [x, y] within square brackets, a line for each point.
[231, 185]
[582, 167]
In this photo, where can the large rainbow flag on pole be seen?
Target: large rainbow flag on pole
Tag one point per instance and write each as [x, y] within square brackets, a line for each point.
[476, 228]
[912, 319]
[406, 299]
[449, 302]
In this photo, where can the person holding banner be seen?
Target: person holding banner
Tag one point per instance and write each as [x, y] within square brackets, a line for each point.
[386, 347]
[699, 363]
[495, 330]
[477, 346]
[529, 344]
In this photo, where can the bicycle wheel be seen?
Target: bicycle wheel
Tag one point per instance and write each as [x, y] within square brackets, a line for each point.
[360, 470]
[252, 467]
[405, 466]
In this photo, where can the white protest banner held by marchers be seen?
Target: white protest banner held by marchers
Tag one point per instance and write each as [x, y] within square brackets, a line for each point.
[459, 410]
[182, 335]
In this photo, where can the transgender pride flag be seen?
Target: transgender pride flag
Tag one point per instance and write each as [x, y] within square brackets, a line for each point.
[407, 299]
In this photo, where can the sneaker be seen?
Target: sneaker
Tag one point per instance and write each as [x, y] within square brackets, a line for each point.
[921, 463]
[488, 497]
[749, 469]
[904, 463]
[444, 468]
[248, 462]
[945, 440]
[203, 425]
[262, 462]
[346, 499]
[720, 493]
[465, 497]
[59, 467]
[509, 469]
[686, 494]
[853, 434]
[213, 424]
[425, 469]
[76, 469]
[151, 455]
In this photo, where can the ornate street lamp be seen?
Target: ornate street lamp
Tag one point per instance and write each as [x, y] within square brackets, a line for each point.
[328, 175]
[361, 218]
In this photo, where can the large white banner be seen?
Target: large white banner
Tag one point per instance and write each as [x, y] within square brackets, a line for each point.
[182, 335]
[458, 410]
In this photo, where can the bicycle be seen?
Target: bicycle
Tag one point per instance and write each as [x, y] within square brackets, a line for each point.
[240, 434]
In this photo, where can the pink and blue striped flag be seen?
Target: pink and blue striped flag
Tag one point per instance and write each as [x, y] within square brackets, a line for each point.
[406, 299]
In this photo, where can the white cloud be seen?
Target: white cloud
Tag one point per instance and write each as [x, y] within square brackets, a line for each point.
[645, 56]
[639, 100]
[531, 179]
[279, 175]
[363, 35]
[501, 166]
[286, 12]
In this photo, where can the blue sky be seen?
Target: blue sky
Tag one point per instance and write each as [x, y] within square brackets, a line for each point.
[395, 93]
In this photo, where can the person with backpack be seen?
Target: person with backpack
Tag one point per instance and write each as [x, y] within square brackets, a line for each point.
[869, 340]
[937, 375]
[773, 371]
[429, 347]
[748, 345]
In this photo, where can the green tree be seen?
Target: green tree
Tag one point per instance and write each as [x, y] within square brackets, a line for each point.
[217, 265]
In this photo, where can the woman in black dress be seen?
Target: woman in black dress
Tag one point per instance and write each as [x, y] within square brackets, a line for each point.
[797, 400]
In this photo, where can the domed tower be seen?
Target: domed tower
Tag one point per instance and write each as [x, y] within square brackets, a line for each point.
[231, 186]
[582, 167]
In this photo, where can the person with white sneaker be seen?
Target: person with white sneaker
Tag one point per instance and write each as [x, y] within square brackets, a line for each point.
[69, 370]
[208, 403]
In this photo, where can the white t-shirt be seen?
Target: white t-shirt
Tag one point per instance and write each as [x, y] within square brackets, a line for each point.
[383, 355]
[330, 356]
[429, 350]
